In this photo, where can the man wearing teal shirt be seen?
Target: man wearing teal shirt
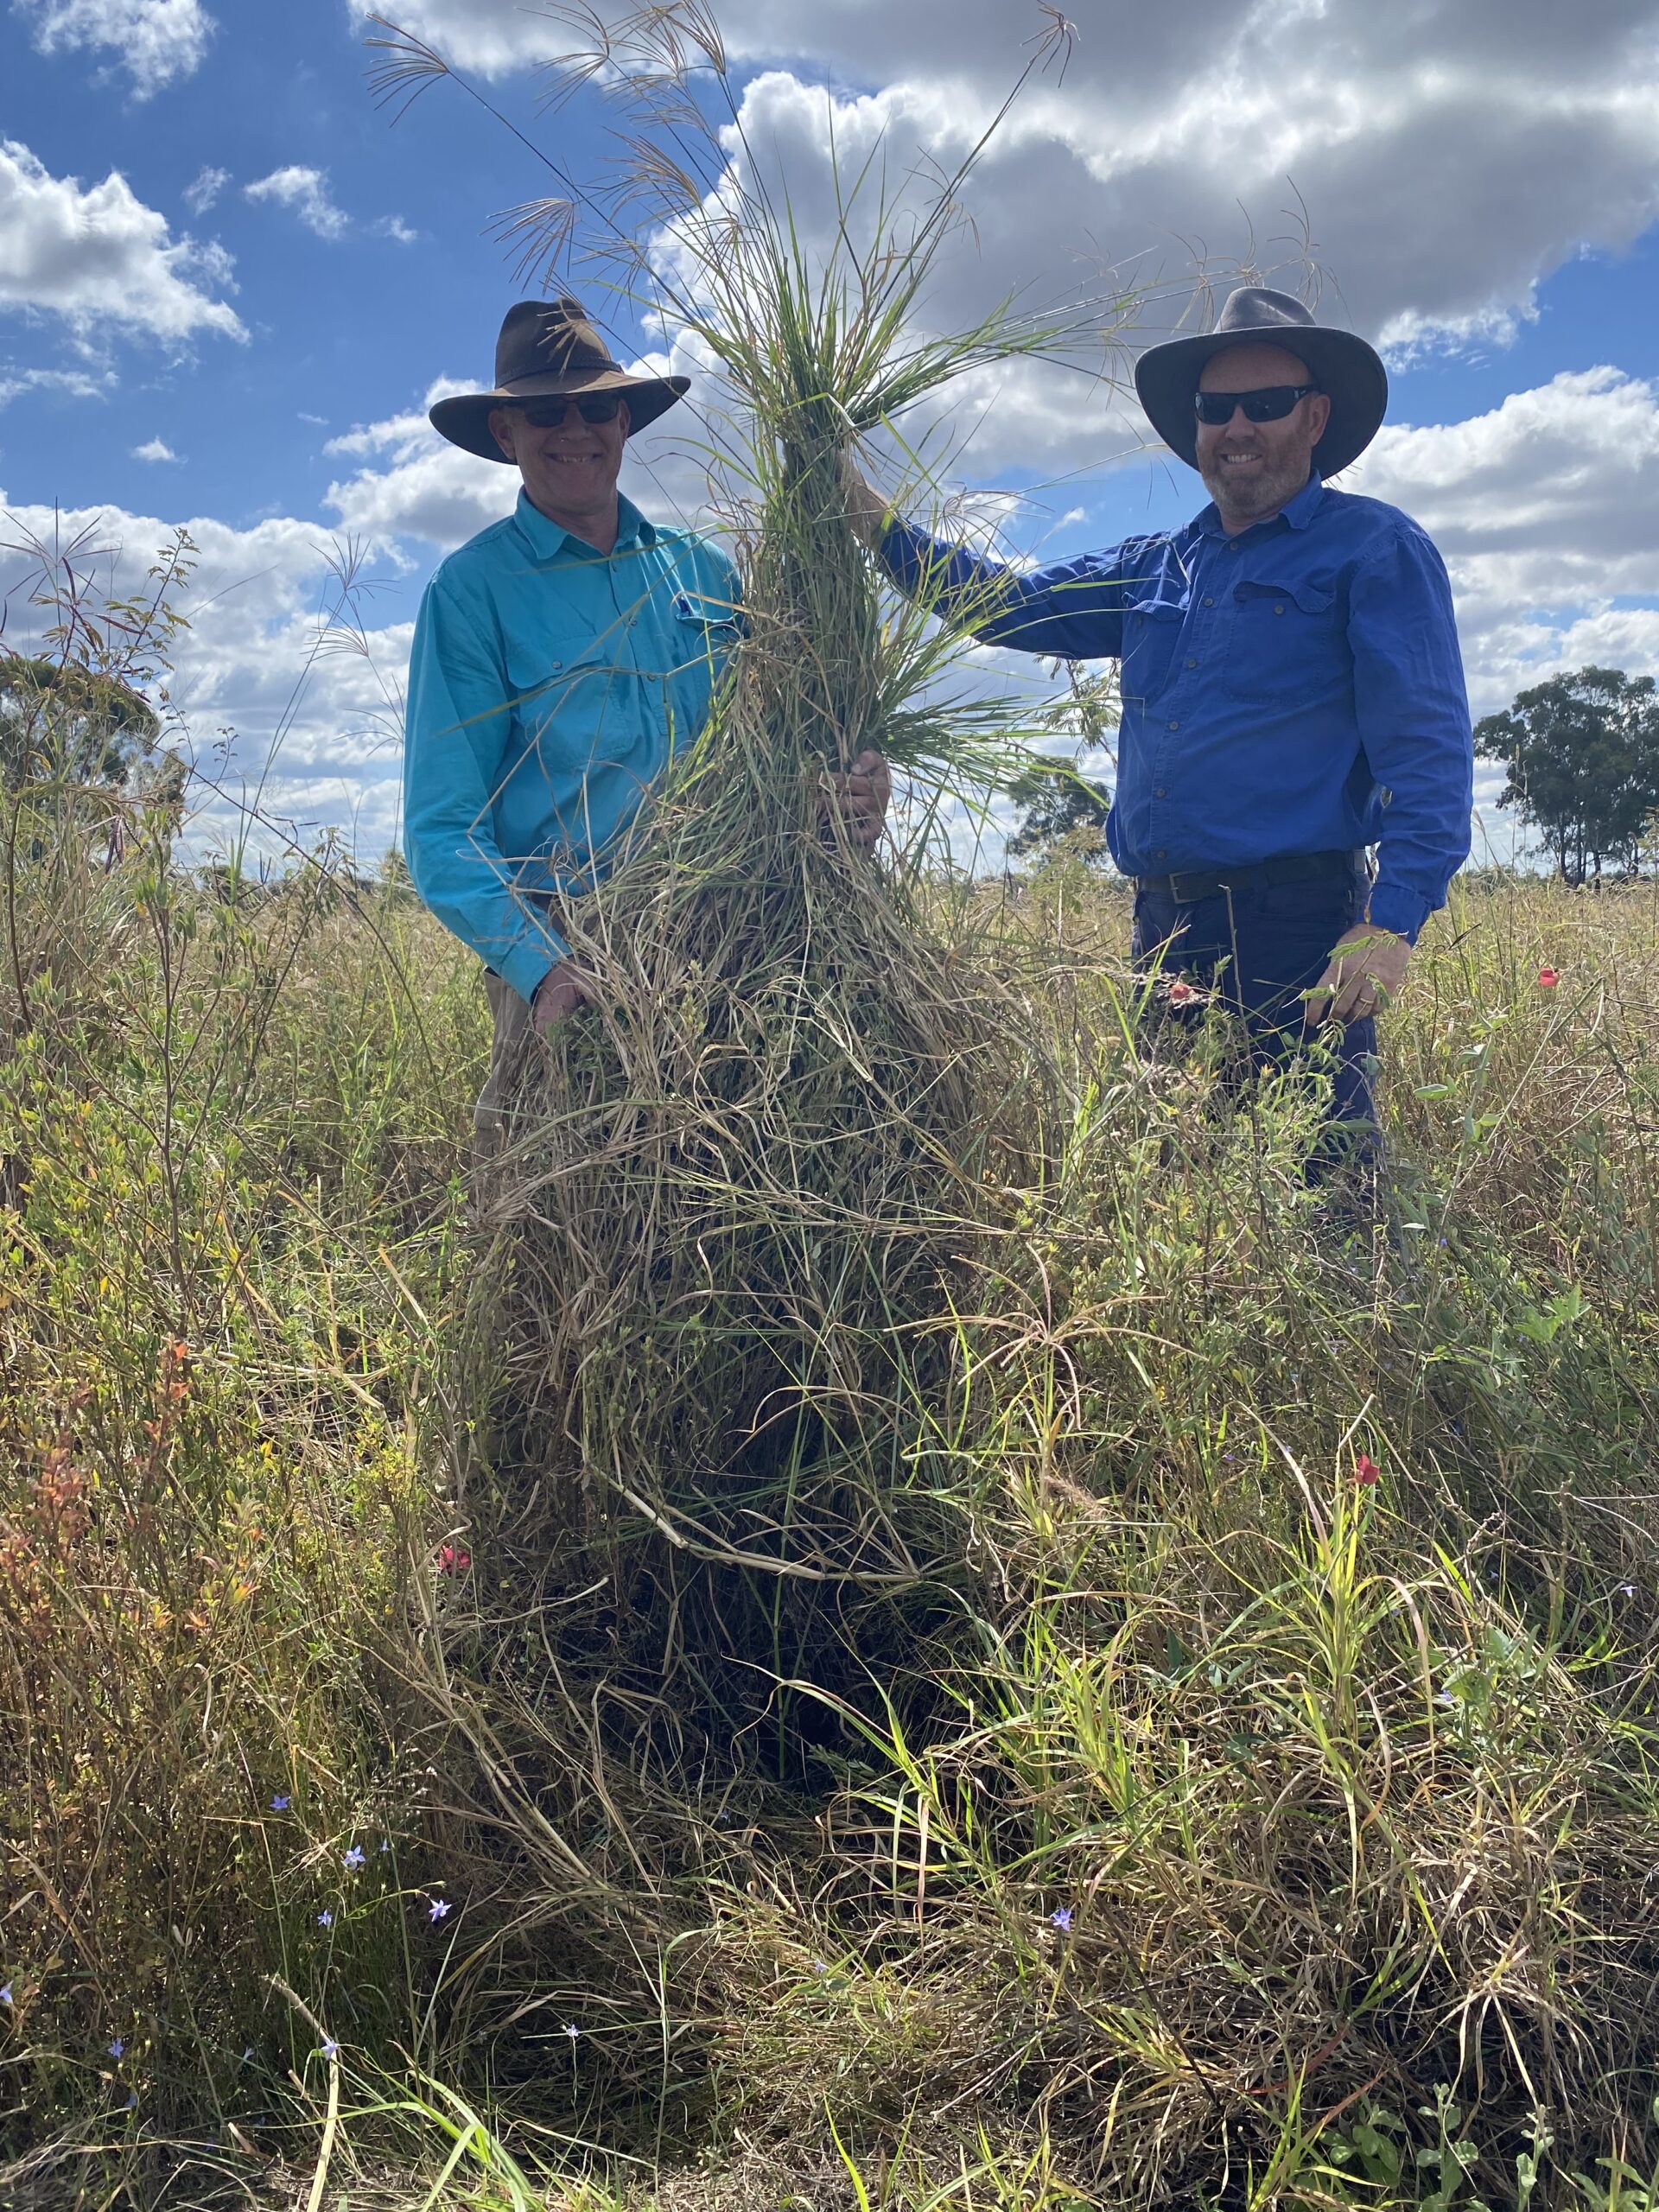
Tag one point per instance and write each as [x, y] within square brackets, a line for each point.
[561, 657]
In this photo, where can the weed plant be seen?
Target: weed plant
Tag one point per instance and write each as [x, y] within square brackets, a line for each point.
[737, 1220]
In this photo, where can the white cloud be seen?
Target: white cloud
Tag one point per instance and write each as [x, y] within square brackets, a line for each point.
[155, 41]
[393, 226]
[153, 449]
[204, 189]
[427, 489]
[306, 191]
[99, 257]
[74, 384]
[1547, 510]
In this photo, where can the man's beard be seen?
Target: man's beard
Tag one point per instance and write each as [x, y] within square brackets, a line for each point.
[1264, 494]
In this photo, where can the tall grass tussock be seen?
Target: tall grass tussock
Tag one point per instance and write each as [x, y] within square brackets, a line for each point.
[888, 1615]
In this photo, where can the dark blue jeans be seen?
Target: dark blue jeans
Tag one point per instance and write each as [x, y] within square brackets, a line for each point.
[1257, 951]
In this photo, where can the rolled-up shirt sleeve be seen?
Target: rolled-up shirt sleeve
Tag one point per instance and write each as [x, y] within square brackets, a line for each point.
[1073, 610]
[1412, 710]
[455, 734]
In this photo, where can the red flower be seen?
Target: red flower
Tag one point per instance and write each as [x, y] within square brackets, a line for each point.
[451, 1560]
[1366, 1471]
[1181, 994]
[1547, 978]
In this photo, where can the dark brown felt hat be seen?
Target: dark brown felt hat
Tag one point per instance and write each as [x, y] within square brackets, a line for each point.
[548, 346]
[1339, 363]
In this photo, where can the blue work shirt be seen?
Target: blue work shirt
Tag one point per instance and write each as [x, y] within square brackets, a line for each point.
[549, 686]
[1296, 688]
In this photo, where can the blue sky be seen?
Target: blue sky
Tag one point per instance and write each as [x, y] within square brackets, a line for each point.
[215, 252]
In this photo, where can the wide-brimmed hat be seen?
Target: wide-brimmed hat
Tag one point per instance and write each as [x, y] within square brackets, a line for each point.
[548, 346]
[1341, 365]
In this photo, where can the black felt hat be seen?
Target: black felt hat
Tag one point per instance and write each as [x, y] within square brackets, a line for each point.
[548, 346]
[1342, 366]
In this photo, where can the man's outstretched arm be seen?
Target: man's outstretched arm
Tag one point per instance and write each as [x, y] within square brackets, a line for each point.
[1073, 610]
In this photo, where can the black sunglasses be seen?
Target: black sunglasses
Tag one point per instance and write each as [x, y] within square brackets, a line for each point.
[548, 413]
[1270, 405]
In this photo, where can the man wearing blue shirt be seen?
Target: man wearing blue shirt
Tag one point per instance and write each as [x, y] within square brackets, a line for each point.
[1292, 686]
[561, 657]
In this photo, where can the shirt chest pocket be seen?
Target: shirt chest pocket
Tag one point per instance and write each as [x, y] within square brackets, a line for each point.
[1285, 640]
[1151, 631]
[702, 631]
[572, 703]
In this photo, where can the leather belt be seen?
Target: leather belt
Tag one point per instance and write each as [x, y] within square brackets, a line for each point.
[1187, 885]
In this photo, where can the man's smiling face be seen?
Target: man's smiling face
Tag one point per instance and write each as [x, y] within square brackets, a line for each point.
[1249, 469]
[571, 468]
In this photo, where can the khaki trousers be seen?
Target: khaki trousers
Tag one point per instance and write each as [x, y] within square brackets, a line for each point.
[491, 1117]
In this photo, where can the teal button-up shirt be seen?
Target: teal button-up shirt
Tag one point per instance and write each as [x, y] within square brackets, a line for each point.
[549, 686]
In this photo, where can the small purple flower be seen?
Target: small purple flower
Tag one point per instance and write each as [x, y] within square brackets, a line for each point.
[572, 2030]
[1061, 1918]
[325, 1918]
[438, 1910]
[386, 1843]
[330, 2048]
[1627, 1589]
[132, 2099]
[281, 1801]
[1444, 1697]
[354, 1856]
[117, 2048]
[247, 2055]
[818, 1967]
[5, 1995]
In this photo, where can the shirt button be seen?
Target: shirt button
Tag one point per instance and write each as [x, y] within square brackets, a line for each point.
[1278, 610]
[1174, 724]
[1209, 602]
[1159, 793]
[1162, 854]
[1191, 664]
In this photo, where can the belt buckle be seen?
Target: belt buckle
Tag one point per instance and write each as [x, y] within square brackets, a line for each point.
[1197, 878]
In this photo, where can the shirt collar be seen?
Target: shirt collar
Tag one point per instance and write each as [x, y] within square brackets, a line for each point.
[548, 542]
[1298, 511]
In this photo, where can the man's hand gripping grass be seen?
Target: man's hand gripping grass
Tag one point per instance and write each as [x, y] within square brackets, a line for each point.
[866, 510]
[1366, 969]
[562, 992]
[861, 793]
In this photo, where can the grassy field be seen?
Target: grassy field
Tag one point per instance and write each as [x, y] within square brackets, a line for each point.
[1246, 1796]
